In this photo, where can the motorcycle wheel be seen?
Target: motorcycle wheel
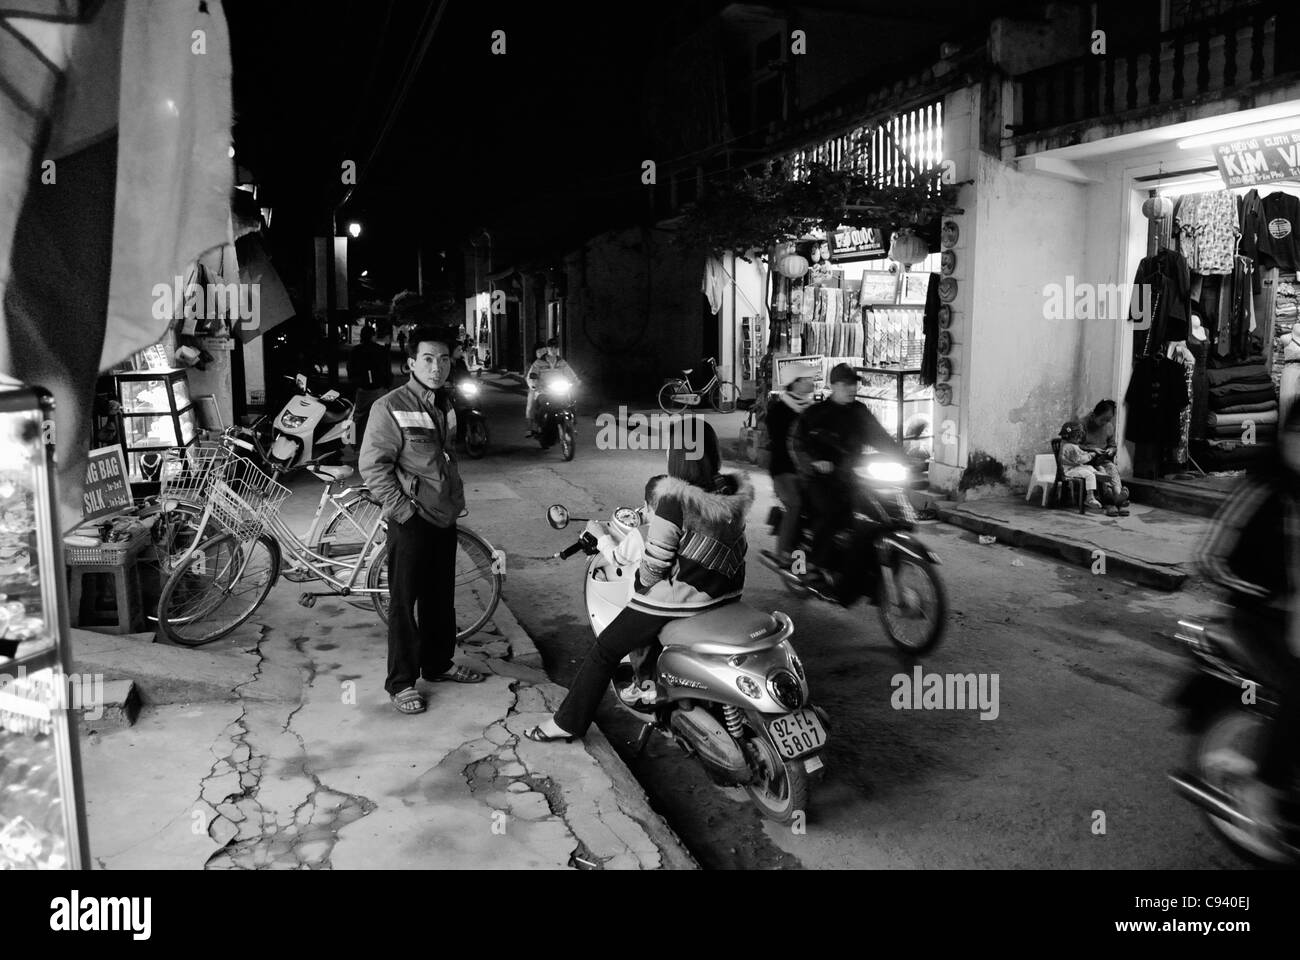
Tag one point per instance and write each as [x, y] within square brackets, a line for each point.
[476, 437]
[1231, 740]
[780, 787]
[666, 402]
[907, 624]
[568, 446]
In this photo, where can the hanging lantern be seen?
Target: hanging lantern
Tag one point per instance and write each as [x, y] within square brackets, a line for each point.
[1157, 208]
[788, 261]
[907, 248]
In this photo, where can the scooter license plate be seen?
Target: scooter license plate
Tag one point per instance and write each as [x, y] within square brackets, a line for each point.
[797, 734]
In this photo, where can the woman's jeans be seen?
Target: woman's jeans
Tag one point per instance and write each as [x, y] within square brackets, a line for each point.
[789, 492]
[630, 631]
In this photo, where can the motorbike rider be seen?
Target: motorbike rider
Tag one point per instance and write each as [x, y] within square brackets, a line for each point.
[1253, 549]
[693, 561]
[830, 438]
[548, 364]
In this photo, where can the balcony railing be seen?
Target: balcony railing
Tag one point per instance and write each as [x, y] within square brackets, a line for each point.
[1253, 45]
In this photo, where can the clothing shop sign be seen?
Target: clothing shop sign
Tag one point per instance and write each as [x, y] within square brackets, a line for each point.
[106, 490]
[1244, 163]
[857, 243]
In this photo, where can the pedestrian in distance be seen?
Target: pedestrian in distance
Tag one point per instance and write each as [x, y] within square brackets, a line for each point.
[408, 461]
[370, 372]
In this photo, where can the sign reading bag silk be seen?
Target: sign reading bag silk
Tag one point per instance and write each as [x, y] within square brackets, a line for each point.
[1244, 163]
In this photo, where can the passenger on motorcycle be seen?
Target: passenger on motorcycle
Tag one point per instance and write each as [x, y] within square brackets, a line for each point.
[694, 561]
[830, 439]
[1253, 549]
[782, 413]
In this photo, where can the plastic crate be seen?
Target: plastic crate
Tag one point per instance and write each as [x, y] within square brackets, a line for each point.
[109, 554]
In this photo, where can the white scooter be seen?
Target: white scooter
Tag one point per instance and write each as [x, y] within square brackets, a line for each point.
[728, 687]
[309, 428]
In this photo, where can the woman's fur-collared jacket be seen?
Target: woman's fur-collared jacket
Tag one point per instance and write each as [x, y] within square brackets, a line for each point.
[694, 556]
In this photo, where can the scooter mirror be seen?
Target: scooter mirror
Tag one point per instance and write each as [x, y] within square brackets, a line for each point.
[301, 380]
[557, 517]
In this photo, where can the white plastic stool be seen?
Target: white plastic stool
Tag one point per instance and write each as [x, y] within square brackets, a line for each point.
[1044, 476]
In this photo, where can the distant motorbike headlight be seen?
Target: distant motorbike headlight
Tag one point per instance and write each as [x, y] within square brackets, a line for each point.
[882, 471]
[559, 388]
[468, 389]
[292, 420]
[785, 689]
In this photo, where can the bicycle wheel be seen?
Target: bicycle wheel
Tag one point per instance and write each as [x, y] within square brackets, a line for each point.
[724, 397]
[478, 586]
[217, 588]
[342, 541]
[174, 532]
[666, 402]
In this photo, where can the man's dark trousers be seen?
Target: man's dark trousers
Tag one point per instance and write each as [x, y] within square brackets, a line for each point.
[422, 587]
[830, 500]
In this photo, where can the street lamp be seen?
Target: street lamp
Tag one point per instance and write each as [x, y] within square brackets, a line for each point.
[354, 229]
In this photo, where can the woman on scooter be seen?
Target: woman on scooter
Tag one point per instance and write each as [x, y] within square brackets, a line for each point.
[694, 561]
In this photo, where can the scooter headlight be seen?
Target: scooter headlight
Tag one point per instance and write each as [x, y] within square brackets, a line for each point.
[291, 420]
[786, 689]
[468, 389]
[882, 471]
[559, 388]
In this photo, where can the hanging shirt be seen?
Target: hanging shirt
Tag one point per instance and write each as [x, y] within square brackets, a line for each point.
[1207, 228]
[1167, 282]
[1279, 244]
[1156, 396]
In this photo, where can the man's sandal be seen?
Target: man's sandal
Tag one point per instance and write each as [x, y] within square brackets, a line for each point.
[408, 701]
[537, 735]
[459, 674]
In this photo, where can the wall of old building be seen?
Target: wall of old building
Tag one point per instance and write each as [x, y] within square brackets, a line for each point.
[635, 311]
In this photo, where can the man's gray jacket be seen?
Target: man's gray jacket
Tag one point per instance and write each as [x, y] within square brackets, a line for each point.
[407, 457]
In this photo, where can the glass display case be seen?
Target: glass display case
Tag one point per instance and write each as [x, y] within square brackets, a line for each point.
[896, 398]
[42, 816]
[157, 414]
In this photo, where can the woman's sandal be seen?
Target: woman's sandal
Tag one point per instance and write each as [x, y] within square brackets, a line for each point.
[537, 735]
[459, 674]
[408, 701]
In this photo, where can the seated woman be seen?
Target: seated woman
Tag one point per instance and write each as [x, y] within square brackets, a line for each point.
[1099, 438]
[694, 561]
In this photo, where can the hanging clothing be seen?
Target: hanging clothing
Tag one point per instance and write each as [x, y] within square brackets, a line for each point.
[930, 325]
[1167, 277]
[1156, 395]
[1279, 232]
[715, 282]
[1206, 226]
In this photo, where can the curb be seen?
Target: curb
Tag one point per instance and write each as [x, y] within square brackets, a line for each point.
[1077, 552]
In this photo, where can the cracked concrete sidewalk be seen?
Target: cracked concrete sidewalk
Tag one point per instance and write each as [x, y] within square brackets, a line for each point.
[277, 748]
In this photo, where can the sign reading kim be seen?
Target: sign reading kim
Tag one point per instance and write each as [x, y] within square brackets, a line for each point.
[857, 243]
[1244, 163]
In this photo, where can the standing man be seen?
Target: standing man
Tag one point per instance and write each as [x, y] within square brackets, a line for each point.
[370, 371]
[782, 412]
[407, 461]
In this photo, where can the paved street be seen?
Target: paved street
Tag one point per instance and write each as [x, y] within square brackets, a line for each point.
[1082, 663]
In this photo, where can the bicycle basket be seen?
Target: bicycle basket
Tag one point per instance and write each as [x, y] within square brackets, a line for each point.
[188, 475]
[244, 499]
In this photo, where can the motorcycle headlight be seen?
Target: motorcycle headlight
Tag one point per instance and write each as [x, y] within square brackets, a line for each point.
[785, 689]
[292, 420]
[560, 388]
[468, 389]
[882, 471]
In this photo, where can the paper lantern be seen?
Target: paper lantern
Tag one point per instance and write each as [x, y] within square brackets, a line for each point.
[907, 248]
[789, 262]
[1157, 208]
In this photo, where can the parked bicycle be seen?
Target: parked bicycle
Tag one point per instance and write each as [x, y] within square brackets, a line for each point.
[238, 541]
[677, 394]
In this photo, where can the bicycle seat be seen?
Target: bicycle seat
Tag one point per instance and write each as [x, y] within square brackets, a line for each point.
[689, 371]
[331, 473]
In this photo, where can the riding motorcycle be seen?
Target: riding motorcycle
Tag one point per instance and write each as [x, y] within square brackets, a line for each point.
[726, 685]
[878, 559]
[471, 424]
[556, 416]
[308, 429]
[1226, 751]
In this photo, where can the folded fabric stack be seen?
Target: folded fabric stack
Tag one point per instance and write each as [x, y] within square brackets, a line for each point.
[1240, 386]
[1227, 454]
